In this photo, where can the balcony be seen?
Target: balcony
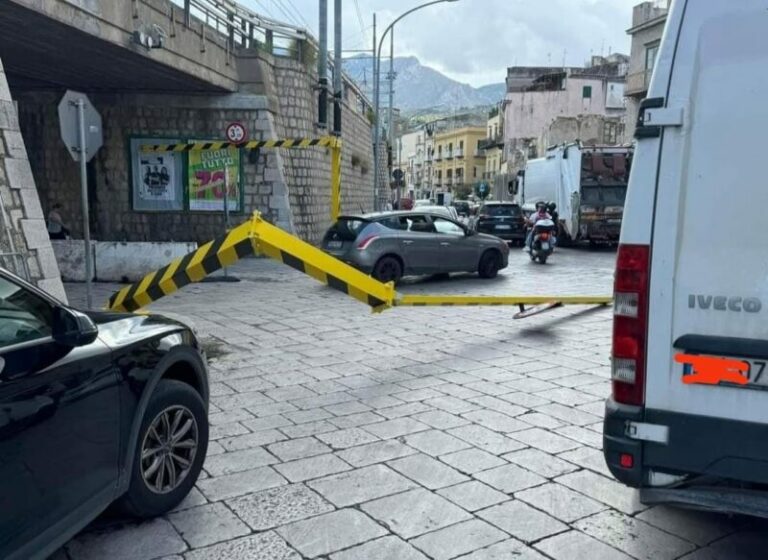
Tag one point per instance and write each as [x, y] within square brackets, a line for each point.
[448, 154]
[637, 83]
[458, 153]
[458, 180]
[439, 156]
[479, 153]
[495, 141]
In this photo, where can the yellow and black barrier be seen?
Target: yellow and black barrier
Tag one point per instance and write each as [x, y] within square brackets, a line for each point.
[448, 300]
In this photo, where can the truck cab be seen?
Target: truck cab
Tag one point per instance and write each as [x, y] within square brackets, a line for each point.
[688, 416]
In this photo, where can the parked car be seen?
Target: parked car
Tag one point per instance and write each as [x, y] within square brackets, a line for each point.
[462, 207]
[687, 419]
[95, 407]
[502, 219]
[390, 245]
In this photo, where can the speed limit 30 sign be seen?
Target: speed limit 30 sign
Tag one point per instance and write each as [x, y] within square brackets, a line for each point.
[237, 133]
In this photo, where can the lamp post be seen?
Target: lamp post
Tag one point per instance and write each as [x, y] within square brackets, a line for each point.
[377, 96]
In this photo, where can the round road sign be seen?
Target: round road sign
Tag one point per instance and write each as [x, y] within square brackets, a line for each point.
[236, 133]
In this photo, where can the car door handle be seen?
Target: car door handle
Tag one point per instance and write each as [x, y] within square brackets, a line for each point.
[406, 242]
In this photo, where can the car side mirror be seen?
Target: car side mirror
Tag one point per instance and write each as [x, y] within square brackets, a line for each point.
[73, 328]
[469, 232]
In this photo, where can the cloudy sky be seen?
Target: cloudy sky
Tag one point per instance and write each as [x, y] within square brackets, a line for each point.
[475, 40]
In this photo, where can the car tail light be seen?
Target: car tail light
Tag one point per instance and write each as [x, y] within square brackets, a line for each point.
[630, 324]
[365, 241]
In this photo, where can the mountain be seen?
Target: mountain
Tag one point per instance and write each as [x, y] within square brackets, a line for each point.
[419, 87]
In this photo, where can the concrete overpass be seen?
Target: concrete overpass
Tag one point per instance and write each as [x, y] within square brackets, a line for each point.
[89, 45]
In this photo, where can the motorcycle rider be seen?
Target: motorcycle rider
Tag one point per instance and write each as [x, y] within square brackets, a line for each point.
[540, 214]
[552, 209]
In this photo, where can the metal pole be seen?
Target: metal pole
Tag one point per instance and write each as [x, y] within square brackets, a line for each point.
[335, 182]
[84, 195]
[375, 122]
[226, 207]
[322, 67]
[338, 92]
[390, 122]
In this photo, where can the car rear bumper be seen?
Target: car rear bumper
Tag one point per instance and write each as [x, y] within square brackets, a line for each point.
[696, 445]
[509, 235]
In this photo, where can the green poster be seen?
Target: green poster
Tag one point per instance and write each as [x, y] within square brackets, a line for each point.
[208, 173]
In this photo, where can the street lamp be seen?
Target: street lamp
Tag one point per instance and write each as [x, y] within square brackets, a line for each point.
[377, 95]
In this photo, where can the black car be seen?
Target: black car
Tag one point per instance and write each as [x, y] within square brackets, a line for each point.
[95, 408]
[502, 219]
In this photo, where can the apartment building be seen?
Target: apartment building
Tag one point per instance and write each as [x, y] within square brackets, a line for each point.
[458, 159]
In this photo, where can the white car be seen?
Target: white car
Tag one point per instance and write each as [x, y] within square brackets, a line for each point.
[687, 422]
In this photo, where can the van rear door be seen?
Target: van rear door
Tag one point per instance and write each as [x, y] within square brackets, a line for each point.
[709, 271]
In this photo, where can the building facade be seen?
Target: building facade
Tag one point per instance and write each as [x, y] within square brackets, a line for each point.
[648, 21]
[458, 158]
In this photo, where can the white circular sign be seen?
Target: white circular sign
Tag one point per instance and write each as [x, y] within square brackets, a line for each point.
[236, 133]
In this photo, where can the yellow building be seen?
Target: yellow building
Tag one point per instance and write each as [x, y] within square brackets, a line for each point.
[458, 160]
[494, 147]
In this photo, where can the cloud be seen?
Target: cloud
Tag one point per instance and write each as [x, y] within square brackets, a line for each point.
[475, 40]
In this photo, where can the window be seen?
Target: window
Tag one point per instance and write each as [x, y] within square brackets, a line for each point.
[461, 145]
[586, 92]
[23, 315]
[418, 224]
[449, 174]
[650, 56]
[449, 228]
[474, 172]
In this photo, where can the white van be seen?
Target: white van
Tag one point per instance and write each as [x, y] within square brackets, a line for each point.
[692, 270]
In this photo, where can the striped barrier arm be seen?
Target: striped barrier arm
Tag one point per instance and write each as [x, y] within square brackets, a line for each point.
[323, 141]
[448, 300]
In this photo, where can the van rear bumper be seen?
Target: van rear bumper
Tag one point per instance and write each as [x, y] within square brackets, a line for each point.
[697, 445]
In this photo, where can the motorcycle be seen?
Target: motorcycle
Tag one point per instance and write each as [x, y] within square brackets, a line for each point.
[542, 241]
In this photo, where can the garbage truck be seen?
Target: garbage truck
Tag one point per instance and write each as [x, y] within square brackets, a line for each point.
[587, 183]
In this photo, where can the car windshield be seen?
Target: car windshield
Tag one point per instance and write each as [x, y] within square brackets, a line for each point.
[497, 210]
[603, 196]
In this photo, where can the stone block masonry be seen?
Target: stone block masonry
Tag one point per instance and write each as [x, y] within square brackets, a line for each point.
[22, 223]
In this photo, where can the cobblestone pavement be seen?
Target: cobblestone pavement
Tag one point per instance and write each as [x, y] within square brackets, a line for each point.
[419, 433]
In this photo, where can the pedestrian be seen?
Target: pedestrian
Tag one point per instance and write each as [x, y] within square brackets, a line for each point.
[56, 227]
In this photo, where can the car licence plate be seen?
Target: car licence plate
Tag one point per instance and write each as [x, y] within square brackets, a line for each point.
[545, 246]
[756, 372]
[504, 227]
[335, 244]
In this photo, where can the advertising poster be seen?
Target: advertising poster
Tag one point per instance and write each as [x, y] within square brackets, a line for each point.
[208, 172]
[157, 178]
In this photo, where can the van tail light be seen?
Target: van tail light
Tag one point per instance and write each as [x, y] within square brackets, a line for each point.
[366, 241]
[630, 324]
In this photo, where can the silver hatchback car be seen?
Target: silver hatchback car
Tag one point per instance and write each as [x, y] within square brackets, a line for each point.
[390, 245]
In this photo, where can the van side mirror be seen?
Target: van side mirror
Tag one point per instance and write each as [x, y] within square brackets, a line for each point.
[73, 328]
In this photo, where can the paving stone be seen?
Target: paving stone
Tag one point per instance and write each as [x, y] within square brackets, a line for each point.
[496, 421]
[596, 407]
[232, 485]
[278, 506]
[345, 408]
[577, 546]
[528, 400]
[361, 485]
[266, 423]
[311, 415]
[587, 457]
[473, 495]
[510, 478]
[230, 416]
[330, 532]
[420, 394]
[193, 499]
[458, 539]
[530, 385]
[697, 527]
[560, 502]
[308, 429]
[264, 545]
[539, 462]
[427, 471]
[553, 374]
[298, 448]
[582, 435]
[577, 380]
[568, 414]
[150, 539]
[381, 401]
[607, 491]
[289, 393]
[458, 391]
[376, 452]
[545, 440]
[451, 404]
[415, 512]
[522, 521]
[510, 549]
[540, 420]
[241, 400]
[634, 537]
[472, 460]
[569, 397]
[238, 461]
[435, 442]
[342, 439]
[486, 439]
[385, 548]
[406, 409]
[440, 419]
[490, 403]
[312, 467]
[208, 524]
[396, 428]
[222, 431]
[355, 420]
[250, 441]
[488, 387]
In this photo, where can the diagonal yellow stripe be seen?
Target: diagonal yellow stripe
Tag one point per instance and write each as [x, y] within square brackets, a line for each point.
[141, 296]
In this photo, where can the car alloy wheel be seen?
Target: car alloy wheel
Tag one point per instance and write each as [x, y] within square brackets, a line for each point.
[169, 449]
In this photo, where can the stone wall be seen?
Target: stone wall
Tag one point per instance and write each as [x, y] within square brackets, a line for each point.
[290, 187]
[21, 216]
